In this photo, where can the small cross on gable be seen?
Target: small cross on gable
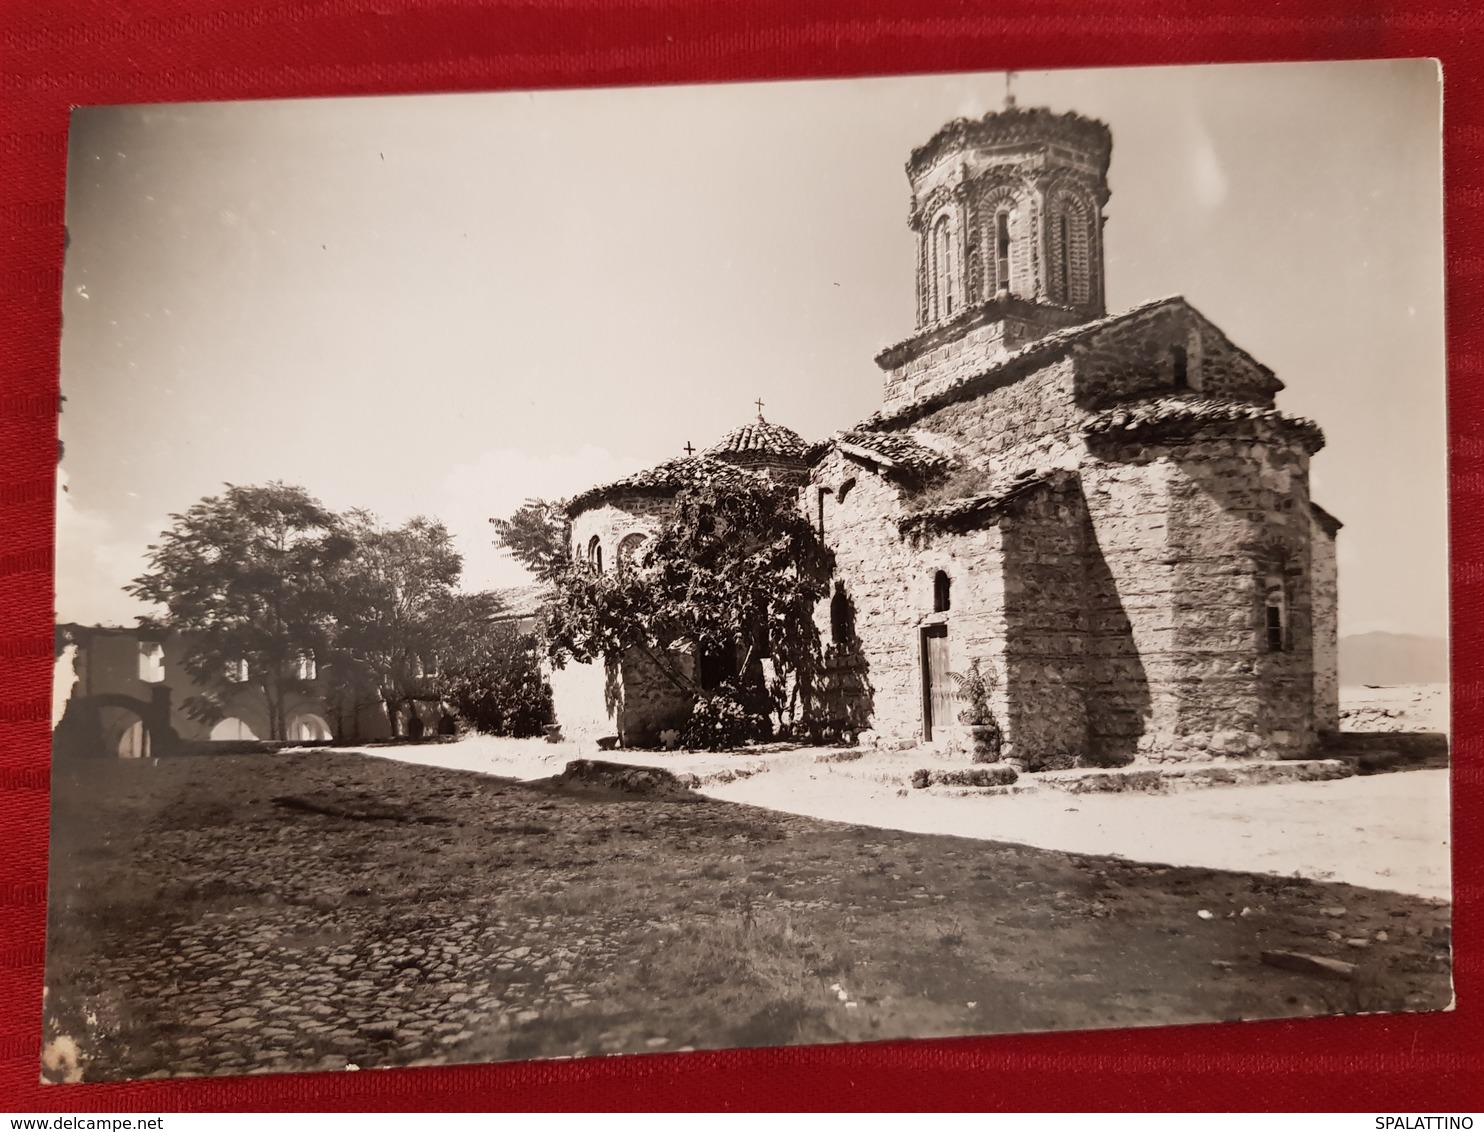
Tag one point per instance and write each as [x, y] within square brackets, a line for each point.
[759, 404]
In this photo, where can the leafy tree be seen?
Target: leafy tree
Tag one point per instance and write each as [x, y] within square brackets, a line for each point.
[734, 576]
[245, 577]
[536, 536]
[390, 596]
[489, 674]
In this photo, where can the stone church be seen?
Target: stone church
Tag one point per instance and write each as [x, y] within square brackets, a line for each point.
[1107, 512]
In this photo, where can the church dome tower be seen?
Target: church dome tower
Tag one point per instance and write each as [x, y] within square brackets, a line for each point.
[761, 446]
[1010, 205]
[1008, 213]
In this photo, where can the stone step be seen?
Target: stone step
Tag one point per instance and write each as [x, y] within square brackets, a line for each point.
[1376, 752]
[1167, 779]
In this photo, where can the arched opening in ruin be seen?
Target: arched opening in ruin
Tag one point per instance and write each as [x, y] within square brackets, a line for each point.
[124, 733]
[232, 728]
[308, 727]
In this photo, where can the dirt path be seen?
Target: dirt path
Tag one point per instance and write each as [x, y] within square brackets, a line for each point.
[230, 914]
[1386, 831]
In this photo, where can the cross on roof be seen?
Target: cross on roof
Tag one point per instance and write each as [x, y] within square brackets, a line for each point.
[690, 448]
[759, 404]
[1010, 89]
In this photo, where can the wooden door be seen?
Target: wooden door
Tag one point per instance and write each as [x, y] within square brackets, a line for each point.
[937, 685]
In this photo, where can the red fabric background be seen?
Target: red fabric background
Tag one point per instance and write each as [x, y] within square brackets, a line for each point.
[75, 51]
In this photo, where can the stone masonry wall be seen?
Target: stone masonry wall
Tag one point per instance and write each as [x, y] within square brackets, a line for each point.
[967, 354]
[1044, 673]
[889, 581]
[616, 518]
[645, 701]
[650, 702]
[1129, 585]
[1325, 602]
[1195, 536]
[1138, 359]
[945, 365]
[1027, 423]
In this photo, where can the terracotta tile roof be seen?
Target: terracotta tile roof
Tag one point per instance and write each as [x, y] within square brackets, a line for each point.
[760, 438]
[892, 451]
[976, 510]
[1172, 414]
[663, 479]
[1019, 362]
[1016, 126]
[520, 601]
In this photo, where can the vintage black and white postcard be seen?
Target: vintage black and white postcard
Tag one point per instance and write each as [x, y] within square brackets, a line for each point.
[587, 572]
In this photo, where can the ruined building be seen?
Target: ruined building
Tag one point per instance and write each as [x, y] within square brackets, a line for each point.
[125, 692]
[1107, 512]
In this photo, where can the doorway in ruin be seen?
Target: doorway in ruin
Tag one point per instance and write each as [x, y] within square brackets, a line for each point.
[937, 683]
[308, 727]
[124, 732]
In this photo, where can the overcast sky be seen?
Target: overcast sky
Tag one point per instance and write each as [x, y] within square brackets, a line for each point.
[446, 304]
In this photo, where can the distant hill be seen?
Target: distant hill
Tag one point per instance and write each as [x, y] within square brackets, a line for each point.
[1393, 658]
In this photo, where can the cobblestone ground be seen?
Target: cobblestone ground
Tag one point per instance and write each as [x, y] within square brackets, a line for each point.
[292, 912]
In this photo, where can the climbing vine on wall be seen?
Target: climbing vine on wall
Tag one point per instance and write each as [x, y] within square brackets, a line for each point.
[734, 577]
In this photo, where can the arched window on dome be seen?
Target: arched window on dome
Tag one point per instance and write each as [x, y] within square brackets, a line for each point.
[595, 553]
[629, 548]
[1002, 249]
[1063, 246]
[943, 273]
[1072, 266]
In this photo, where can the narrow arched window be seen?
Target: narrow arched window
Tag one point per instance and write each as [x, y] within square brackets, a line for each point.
[1275, 615]
[842, 616]
[595, 553]
[1071, 252]
[941, 595]
[845, 489]
[1063, 258]
[973, 272]
[1002, 251]
[1180, 365]
[943, 266]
